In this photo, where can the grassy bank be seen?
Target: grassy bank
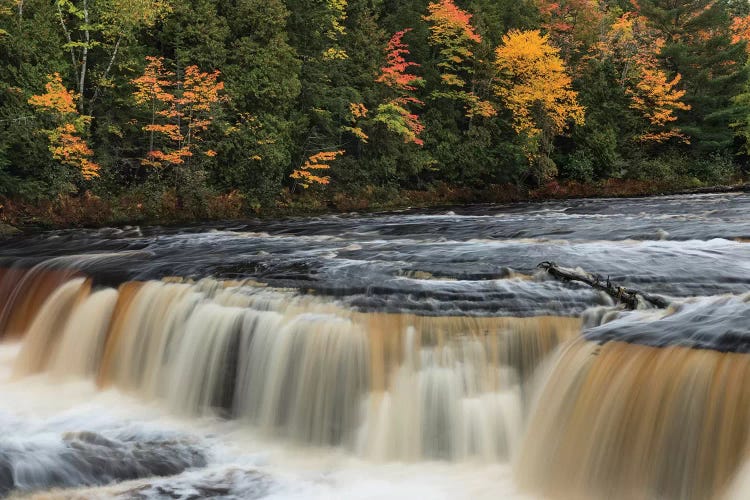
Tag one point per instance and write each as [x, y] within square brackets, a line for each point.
[166, 208]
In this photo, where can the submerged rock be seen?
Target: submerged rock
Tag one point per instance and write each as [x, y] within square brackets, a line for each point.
[91, 459]
[226, 485]
[718, 323]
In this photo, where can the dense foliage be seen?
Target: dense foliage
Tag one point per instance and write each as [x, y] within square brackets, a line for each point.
[264, 102]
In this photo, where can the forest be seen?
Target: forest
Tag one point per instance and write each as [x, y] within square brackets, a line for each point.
[159, 110]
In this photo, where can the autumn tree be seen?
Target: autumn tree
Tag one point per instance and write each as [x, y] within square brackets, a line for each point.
[91, 28]
[572, 25]
[66, 142]
[319, 31]
[336, 30]
[657, 98]
[7, 11]
[698, 45]
[453, 35]
[741, 29]
[358, 112]
[536, 89]
[635, 49]
[307, 175]
[181, 111]
[396, 74]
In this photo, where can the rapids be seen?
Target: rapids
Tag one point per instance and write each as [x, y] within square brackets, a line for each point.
[406, 354]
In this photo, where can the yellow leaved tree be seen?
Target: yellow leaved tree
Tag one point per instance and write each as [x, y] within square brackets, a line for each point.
[336, 29]
[535, 87]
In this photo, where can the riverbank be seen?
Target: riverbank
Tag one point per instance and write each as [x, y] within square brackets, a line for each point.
[91, 211]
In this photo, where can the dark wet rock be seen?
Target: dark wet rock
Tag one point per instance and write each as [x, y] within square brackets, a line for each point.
[232, 484]
[6, 230]
[718, 323]
[92, 459]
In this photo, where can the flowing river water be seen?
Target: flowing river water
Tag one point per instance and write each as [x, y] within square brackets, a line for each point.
[417, 354]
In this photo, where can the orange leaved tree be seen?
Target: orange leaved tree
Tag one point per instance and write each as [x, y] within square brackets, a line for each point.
[741, 30]
[536, 89]
[635, 48]
[657, 98]
[65, 140]
[306, 175]
[181, 111]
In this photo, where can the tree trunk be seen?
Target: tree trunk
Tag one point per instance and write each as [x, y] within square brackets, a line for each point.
[84, 57]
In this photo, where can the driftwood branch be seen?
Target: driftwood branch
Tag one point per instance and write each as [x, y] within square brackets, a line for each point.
[627, 296]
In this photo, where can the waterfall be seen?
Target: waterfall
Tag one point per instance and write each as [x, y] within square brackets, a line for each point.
[22, 293]
[42, 337]
[627, 421]
[579, 418]
[301, 368]
[82, 344]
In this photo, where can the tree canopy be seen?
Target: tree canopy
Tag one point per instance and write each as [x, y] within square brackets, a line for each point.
[273, 99]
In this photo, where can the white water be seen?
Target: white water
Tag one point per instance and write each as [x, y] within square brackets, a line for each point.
[386, 387]
[39, 409]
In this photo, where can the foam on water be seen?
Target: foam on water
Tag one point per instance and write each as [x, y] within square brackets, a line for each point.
[240, 463]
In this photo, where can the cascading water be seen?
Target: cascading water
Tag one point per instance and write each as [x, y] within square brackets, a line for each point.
[382, 385]
[362, 345]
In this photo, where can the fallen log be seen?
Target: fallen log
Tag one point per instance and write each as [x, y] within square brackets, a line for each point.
[630, 297]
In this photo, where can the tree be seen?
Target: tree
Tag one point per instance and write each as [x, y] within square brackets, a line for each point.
[336, 30]
[196, 33]
[536, 89]
[105, 24]
[306, 176]
[741, 29]
[657, 99]
[263, 84]
[319, 32]
[6, 12]
[635, 48]
[573, 25]
[181, 110]
[698, 46]
[396, 75]
[66, 143]
[453, 35]
[357, 113]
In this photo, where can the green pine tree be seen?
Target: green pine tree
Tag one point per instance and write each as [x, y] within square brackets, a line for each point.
[698, 45]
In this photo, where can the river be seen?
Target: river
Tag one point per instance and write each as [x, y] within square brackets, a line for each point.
[412, 354]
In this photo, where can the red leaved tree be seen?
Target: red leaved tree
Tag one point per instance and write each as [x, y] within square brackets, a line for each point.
[396, 114]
